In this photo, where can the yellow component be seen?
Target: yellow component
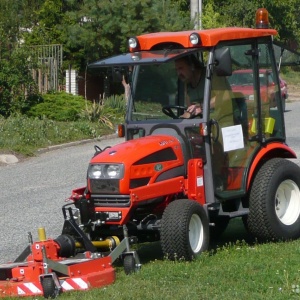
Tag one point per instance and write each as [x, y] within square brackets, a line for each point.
[108, 244]
[268, 125]
[42, 234]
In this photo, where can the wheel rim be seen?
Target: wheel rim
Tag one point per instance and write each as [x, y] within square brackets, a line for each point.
[287, 202]
[195, 233]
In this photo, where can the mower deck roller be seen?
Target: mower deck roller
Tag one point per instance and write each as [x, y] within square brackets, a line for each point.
[49, 267]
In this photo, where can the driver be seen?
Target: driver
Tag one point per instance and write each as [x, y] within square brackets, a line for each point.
[192, 74]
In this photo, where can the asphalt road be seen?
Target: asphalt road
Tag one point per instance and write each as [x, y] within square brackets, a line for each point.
[33, 191]
[292, 126]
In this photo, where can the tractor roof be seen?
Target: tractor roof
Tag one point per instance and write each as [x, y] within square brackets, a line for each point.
[209, 37]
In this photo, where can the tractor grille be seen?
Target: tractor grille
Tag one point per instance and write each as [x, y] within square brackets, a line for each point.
[104, 186]
[110, 200]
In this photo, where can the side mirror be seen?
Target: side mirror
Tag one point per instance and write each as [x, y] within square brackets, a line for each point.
[223, 64]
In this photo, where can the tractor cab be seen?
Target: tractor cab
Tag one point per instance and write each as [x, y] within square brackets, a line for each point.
[233, 125]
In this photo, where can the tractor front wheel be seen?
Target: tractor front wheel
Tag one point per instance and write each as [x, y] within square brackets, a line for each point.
[184, 230]
[274, 204]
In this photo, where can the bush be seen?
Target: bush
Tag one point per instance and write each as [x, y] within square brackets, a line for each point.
[59, 106]
[25, 135]
[117, 102]
[106, 112]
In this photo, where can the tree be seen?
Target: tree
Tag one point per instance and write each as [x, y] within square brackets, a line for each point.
[101, 28]
[16, 83]
[211, 18]
[284, 16]
[93, 29]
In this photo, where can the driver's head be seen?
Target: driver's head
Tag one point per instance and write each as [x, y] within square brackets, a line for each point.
[186, 66]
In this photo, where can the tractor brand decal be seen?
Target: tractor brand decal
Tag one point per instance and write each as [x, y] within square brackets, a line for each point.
[158, 167]
[165, 142]
[113, 152]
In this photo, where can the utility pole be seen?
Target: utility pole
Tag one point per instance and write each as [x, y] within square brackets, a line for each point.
[196, 13]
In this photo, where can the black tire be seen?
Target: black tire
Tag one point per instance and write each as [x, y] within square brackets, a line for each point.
[129, 264]
[184, 230]
[274, 203]
[49, 289]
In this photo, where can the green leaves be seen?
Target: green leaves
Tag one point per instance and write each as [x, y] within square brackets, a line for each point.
[90, 30]
[16, 82]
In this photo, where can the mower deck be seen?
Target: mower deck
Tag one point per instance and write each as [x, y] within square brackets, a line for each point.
[26, 278]
[42, 270]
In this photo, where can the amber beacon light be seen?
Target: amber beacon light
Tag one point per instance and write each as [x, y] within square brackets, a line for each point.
[262, 18]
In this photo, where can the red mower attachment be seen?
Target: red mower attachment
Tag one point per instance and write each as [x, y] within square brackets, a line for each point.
[49, 267]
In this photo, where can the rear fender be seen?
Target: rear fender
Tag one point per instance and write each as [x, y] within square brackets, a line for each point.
[269, 151]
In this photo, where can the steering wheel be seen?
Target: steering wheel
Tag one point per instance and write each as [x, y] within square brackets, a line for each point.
[167, 110]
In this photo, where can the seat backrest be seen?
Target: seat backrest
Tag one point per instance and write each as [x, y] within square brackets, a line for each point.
[240, 112]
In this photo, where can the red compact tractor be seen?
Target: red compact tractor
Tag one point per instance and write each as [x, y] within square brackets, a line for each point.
[180, 180]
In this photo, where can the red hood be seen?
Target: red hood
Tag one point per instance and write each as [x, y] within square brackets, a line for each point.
[131, 151]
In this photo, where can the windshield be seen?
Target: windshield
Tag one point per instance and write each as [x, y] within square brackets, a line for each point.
[157, 90]
[155, 87]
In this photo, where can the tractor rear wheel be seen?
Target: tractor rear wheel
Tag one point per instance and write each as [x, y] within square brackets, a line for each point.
[184, 230]
[274, 203]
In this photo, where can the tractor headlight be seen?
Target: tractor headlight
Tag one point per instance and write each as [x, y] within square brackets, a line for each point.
[95, 171]
[114, 171]
[133, 43]
[106, 171]
[195, 38]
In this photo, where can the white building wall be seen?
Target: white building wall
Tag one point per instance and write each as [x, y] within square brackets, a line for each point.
[71, 82]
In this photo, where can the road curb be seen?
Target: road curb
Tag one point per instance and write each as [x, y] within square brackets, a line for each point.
[8, 159]
[70, 144]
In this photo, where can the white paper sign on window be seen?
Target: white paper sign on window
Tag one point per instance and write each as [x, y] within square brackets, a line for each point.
[232, 138]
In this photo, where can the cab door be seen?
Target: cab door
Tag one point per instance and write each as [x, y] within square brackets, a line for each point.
[242, 119]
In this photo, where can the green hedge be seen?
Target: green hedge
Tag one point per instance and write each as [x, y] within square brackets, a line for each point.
[58, 106]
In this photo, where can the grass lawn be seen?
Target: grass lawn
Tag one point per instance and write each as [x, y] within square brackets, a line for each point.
[234, 268]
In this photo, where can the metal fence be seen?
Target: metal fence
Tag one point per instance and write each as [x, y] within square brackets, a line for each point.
[48, 73]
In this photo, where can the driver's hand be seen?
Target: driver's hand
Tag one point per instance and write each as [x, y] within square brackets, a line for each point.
[192, 111]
